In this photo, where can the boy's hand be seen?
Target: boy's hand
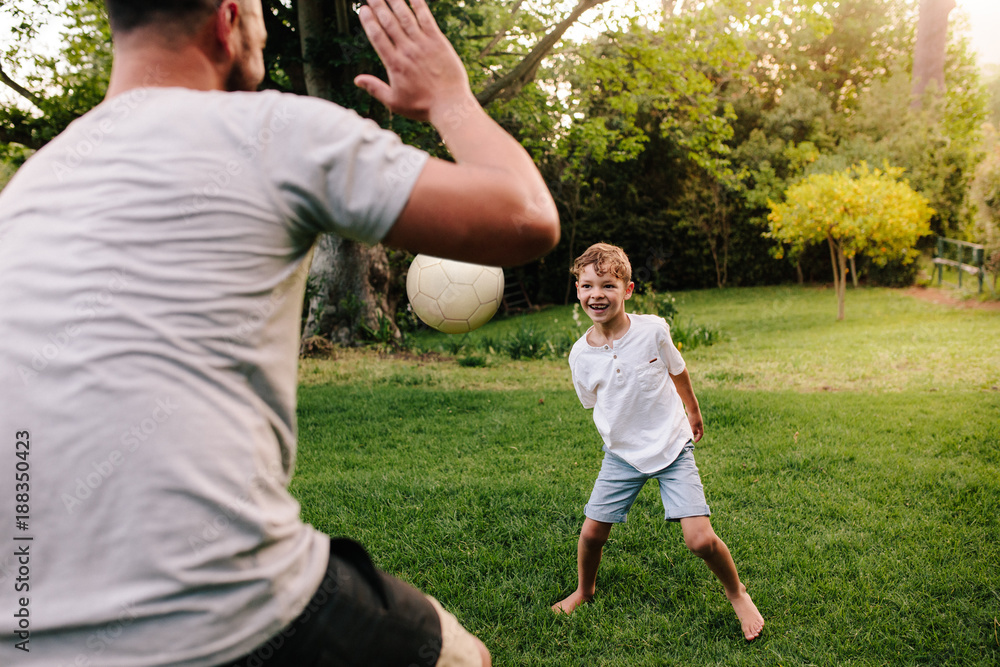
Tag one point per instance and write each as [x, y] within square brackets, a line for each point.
[682, 382]
[697, 425]
[426, 77]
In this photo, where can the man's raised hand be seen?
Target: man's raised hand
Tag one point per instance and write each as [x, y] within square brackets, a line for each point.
[427, 79]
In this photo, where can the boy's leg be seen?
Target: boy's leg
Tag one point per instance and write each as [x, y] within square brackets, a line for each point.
[593, 535]
[684, 500]
[615, 490]
[701, 539]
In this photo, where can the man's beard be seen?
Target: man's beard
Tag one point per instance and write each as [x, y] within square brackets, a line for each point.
[240, 78]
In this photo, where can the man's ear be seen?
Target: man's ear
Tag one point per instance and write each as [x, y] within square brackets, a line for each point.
[628, 290]
[226, 18]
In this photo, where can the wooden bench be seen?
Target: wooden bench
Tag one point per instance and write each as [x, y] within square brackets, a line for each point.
[952, 252]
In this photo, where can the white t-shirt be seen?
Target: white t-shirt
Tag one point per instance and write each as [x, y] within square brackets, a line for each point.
[153, 260]
[637, 410]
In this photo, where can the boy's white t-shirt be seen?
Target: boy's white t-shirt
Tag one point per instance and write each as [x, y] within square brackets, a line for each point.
[153, 261]
[637, 410]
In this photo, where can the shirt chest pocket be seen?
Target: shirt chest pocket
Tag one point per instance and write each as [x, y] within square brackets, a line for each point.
[649, 376]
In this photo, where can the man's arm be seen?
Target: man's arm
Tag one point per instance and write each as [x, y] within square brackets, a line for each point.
[683, 384]
[490, 206]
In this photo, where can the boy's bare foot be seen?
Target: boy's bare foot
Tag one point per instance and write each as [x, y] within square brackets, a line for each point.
[746, 610]
[575, 599]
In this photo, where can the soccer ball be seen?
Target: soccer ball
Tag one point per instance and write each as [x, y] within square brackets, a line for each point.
[453, 297]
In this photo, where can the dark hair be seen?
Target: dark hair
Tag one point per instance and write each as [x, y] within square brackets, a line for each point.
[126, 15]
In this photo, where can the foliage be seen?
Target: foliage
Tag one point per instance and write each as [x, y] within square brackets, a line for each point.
[56, 89]
[6, 173]
[985, 197]
[654, 303]
[864, 211]
[666, 134]
[937, 145]
[858, 211]
[835, 47]
[992, 88]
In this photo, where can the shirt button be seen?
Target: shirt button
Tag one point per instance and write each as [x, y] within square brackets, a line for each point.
[605, 347]
[616, 356]
[618, 370]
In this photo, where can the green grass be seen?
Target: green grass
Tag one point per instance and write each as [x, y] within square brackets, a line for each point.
[865, 521]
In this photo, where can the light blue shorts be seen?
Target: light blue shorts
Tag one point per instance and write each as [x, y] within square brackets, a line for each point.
[618, 485]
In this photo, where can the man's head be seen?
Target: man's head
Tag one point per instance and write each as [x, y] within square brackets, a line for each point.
[127, 15]
[232, 31]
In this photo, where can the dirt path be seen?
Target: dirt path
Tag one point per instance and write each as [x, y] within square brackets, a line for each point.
[948, 297]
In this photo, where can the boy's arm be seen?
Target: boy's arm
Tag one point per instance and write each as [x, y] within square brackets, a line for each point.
[682, 383]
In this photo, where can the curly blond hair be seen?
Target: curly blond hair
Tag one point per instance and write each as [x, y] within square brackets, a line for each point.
[606, 258]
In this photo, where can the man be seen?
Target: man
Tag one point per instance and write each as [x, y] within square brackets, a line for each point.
[152, 267]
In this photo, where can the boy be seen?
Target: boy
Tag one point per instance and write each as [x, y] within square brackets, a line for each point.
[620, 369]
[153, 262]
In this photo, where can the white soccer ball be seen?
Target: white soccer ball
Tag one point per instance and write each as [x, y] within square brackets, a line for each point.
[453, 297]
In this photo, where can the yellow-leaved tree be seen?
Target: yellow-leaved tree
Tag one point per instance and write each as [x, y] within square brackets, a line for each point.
[858, 211]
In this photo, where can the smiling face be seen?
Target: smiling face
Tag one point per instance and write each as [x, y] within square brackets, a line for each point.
[603, 296]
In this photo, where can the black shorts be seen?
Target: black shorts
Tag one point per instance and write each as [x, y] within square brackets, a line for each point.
[359, 617]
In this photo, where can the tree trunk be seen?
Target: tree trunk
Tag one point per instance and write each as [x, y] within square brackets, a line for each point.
[713, 248]
[350, 280]
[725, 232]
[930, 48]
[839, 275]
[854, 272]
[353, 282]
[573, 208]
[843, 283]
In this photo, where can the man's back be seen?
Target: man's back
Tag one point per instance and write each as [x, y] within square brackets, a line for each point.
[150, 352]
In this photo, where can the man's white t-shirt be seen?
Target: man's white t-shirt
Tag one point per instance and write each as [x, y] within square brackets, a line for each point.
[153, 261]
[637, 410]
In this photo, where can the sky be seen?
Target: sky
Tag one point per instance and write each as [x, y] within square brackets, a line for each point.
[984, 23]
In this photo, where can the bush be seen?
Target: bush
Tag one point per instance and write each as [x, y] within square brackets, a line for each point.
[525, 343]
[687, 336]
[651, 303]
[894, 274]
[691, 335]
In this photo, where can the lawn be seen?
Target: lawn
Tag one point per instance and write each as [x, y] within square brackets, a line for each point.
[852, 468]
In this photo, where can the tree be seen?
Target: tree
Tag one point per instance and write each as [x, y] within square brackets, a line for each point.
[930, 48]
[858, 211]
[985, 197]
[938, 144]
[55, 90]
[706, 208]
[632, 87]
[836, 47]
